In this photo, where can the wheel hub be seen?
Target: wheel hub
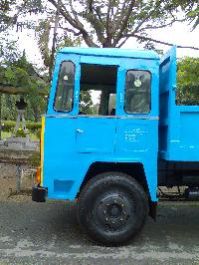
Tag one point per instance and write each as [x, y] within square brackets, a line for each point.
[113, 210]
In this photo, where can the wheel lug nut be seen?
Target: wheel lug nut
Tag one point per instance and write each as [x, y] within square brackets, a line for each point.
[104, 212]
[106, 219]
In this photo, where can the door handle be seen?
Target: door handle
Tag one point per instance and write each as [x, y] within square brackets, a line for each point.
[79, 130]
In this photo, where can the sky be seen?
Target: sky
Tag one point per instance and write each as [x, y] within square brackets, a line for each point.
[178, 34]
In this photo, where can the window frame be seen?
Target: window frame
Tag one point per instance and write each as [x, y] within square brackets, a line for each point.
[72, 106]
[150, 96]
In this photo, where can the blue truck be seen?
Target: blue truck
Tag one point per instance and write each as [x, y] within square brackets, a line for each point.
[112, 134]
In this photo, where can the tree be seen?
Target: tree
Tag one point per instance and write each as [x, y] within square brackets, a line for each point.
[61, 39]
[13, 13]
[7, 20]
[191, 9]
[188, 81]
[16, 15]
[20, 74]
[110, 23]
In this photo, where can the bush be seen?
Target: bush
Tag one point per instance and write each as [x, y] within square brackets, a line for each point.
[31, 126]
[20, 133]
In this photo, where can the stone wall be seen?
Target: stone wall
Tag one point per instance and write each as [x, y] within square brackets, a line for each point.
[8, 180]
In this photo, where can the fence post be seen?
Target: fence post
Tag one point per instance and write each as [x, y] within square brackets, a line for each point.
[0, 114]
[18, 178]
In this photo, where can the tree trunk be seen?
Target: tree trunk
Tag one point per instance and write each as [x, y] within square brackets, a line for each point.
[54, 41]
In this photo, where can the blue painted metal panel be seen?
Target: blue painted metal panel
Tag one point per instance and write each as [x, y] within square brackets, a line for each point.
[95, 135]
[68, 154]
[73, 143]
[184, 136]
[137, 134]
[167, 100]
[179, 125]
[112, 52]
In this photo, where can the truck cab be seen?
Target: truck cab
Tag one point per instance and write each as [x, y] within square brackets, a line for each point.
[111, 117]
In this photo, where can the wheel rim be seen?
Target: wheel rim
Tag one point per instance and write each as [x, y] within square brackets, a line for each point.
[113, 211]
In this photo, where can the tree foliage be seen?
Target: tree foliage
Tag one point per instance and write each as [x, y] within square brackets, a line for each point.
[191, 9]
[43, 33]
[188, 81]
[20, 73]
[13, 13]
[110, 23]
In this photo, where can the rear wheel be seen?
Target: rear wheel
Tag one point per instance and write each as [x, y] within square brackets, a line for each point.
[112, 208]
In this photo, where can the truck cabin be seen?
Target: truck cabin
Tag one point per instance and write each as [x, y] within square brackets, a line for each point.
[103, 110]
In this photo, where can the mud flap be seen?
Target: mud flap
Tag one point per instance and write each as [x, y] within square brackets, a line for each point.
[39, 194]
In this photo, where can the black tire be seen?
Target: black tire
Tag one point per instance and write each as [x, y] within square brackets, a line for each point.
[112, 208]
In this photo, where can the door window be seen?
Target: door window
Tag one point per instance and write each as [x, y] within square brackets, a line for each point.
[137, 92]
[65, 88]
[97, 90]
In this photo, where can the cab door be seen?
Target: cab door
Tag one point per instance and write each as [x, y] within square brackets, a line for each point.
[137, 128]
[60, 129]
[96, 124]
[138, 109]
[80, 123]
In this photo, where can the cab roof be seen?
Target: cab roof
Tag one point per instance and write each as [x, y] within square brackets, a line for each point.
[112, 52]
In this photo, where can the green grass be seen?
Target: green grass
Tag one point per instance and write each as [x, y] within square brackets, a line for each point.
[33, 129]
[5, 135]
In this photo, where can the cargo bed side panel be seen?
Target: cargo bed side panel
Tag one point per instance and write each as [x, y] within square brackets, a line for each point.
[179, 125]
